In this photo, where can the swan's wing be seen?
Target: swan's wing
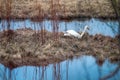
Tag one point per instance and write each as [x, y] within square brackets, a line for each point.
[74, 33]
[67, 33]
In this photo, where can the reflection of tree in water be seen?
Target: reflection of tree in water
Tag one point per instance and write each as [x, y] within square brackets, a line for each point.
[84, 63]
[115, 7]
[111, 25]
[57, 71]
[67, 69]
[113, 73]
[5, 74]
[99, 72]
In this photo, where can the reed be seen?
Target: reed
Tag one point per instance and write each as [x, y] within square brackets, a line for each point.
[55, 6]
[0, 9]
[55, 9]
[40, 18]
[41, 24]
[116, 7]
[6, 8]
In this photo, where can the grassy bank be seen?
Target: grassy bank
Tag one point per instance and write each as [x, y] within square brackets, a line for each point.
[60, 8]
[26, 48]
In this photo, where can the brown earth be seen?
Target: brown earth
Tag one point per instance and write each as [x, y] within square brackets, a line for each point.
[24, 47]
[62, 8]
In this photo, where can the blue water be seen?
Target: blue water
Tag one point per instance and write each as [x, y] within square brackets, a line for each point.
[82, 68]
[106, 28]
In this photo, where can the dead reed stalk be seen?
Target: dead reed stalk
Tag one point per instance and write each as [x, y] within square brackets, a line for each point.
[8, 8]
[55, 6]
[40, 19]
[6, 24]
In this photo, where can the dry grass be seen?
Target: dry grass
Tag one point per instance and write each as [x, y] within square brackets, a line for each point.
[26, 45]
[91, 8]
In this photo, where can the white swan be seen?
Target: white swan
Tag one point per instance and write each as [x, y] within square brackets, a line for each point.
[76, 34]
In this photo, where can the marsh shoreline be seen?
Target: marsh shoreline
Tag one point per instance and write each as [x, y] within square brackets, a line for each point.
[25, 48]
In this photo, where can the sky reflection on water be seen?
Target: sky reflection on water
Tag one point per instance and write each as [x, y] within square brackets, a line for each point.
[107, 28]
[82, 68]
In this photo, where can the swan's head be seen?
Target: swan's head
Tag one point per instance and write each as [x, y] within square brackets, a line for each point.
[87, 27]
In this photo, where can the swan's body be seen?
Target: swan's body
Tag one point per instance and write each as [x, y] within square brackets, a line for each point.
[74, 33]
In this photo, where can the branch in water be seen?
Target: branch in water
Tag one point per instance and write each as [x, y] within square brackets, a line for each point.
[111, 74]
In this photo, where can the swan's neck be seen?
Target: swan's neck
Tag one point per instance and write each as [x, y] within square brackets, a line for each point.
[83, 32]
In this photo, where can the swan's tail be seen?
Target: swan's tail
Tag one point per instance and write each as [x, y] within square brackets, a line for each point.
[67, 34]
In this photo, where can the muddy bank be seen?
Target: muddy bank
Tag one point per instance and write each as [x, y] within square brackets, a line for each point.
[25, 47]
[61, 8]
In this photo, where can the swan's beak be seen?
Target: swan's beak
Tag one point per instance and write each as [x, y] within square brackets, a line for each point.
[88, 28]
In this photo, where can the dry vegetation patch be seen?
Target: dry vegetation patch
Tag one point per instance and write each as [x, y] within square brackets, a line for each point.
[64, 8]
[25, 47]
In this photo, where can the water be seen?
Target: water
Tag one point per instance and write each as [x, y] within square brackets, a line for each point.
[82, 68]
[106, 28]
